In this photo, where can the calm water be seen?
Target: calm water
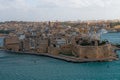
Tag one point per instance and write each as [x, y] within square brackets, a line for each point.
[112, 37]
[31, 67]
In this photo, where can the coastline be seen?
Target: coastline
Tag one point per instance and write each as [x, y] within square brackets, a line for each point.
[65, 58]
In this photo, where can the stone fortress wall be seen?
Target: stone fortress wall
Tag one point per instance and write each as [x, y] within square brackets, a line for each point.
[85, 52]
[94, 52]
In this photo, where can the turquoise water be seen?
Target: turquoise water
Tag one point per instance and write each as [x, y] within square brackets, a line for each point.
[31, 67]
[112, 37]
[1, 41]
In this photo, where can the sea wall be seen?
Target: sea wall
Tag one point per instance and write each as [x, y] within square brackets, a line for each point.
[93, 52]
[12, 43]
[66, 48]
[53, 50]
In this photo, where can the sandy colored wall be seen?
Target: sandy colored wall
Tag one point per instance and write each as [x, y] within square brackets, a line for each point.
[13, 47]
[53, 50]
[66, 48]
[11, 40]
[91, 52]
[42, 49]
[12, 43]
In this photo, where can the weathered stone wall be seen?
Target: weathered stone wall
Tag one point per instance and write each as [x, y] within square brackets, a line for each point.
[13, 47]
[12, 43]
[26, 45]
[105, 51]
[53, 50]
[93, 52]
[66, 49]
[42, 46]
[42, 49]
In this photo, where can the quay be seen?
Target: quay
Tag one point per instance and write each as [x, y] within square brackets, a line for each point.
[66, 58]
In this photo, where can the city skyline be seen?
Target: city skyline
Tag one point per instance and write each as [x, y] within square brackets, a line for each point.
[63, 10]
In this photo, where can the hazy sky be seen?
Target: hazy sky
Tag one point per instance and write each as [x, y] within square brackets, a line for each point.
[44, 10]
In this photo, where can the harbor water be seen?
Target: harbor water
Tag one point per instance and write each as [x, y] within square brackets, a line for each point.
[14, 66]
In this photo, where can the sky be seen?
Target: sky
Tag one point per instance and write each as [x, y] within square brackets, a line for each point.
[62, 10]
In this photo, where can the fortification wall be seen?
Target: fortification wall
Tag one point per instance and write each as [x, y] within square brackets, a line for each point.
[53, 50]
[66, 49]
[12, 43]
[93, 52]
[13, 47]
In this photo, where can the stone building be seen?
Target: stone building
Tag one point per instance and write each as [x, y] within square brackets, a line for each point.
[42, 46]
[12, 43]
[94, 52]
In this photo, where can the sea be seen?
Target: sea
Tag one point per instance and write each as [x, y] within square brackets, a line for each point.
[15, 66]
